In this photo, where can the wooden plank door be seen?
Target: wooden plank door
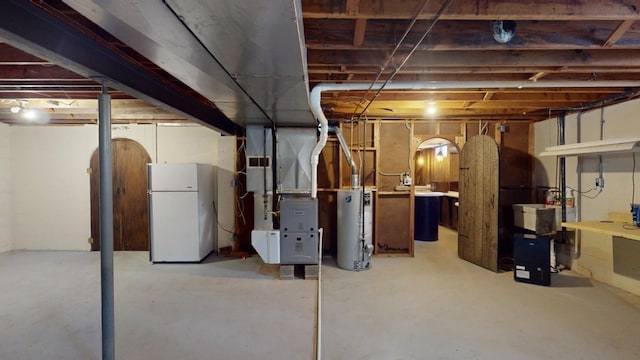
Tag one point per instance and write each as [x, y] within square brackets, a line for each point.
[479, 205]
[130, 206]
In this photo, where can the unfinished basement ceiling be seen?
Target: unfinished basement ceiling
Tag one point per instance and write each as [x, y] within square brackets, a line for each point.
[254, 60]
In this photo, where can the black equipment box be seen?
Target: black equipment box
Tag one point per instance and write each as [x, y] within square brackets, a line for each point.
[532, 259]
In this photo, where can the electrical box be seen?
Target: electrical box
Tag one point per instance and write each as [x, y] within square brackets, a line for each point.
[298, 231]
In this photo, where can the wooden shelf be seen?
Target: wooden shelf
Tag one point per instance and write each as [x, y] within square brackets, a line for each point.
[613, 228]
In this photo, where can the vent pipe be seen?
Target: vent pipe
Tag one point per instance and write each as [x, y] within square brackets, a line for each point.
[316, 96]
[355, 177]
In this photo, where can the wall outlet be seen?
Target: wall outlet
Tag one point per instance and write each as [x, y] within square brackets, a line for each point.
[600, 182]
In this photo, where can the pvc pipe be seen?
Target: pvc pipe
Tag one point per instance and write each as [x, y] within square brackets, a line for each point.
[316, 109]
[316, 96]
[106, 223]
[436, 85]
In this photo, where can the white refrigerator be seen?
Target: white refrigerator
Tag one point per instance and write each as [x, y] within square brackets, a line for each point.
[181, 212]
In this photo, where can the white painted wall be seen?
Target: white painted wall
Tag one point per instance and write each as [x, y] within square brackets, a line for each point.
[5, 189]
[594, 256]
[225, 198]
[187, 144]
[49, 184]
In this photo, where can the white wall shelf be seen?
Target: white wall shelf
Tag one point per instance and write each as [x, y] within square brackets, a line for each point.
[607, 146]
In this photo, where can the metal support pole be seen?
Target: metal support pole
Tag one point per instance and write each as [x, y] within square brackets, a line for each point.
[563, 178]
[106, 223]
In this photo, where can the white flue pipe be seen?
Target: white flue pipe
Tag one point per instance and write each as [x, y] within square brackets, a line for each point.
[316, 109]
[316, 96]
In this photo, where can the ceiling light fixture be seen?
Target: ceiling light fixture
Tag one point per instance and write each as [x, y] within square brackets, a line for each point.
[29, 114]
[431, 109]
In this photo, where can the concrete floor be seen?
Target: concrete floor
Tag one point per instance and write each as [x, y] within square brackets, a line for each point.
[433, 306]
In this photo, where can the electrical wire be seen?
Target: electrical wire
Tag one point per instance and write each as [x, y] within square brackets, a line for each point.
[215, 210]
[582, 192]
[443, 8]
[390, 57]
[594, 196]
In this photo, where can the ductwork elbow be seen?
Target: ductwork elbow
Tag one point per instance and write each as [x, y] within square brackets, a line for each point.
[503, 30]
[314, 102]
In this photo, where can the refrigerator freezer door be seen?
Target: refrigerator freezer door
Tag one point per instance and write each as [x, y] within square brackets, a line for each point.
[173, 177]
[174, 227]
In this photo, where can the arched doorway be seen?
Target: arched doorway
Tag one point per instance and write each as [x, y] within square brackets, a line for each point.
[436, 164]
[130, 205]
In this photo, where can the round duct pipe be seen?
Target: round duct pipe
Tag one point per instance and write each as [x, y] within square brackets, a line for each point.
[503, 30]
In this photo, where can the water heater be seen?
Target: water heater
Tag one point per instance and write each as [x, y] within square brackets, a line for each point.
[355, 229]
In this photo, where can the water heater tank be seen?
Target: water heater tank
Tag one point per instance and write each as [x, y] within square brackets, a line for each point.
[355, 242]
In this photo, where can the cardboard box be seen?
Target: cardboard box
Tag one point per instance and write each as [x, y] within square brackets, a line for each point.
[571, 215]
[534, 217]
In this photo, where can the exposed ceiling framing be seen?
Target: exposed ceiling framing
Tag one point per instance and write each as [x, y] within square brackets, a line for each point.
[349, 41]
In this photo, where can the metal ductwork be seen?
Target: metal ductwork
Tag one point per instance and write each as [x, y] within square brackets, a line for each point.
[246, 56]
[355, 177]
[503, 30]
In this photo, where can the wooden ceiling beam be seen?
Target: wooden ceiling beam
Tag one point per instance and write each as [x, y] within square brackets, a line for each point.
[369, 70]
[327, 34]
[352, 7]
[508, 58]
[36, 72]
[486, 10]
[618, 33]
[11, 55]
[537, 76]
[485, 77]
[359, 32]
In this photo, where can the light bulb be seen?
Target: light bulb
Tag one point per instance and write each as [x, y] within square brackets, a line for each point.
[30, 114]
[431, 108]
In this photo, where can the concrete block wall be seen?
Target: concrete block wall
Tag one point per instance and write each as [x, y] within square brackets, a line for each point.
[594, 255]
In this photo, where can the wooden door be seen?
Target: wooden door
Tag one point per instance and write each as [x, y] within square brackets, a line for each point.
[130, 206]
[479, 205]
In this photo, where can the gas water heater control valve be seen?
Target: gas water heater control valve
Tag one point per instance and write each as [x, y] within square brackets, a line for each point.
[369, 249]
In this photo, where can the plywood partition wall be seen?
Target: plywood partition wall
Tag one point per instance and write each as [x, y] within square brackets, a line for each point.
[479, 202]
[394, 209]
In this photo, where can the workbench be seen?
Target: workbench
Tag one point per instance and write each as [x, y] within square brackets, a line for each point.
[617, 225]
